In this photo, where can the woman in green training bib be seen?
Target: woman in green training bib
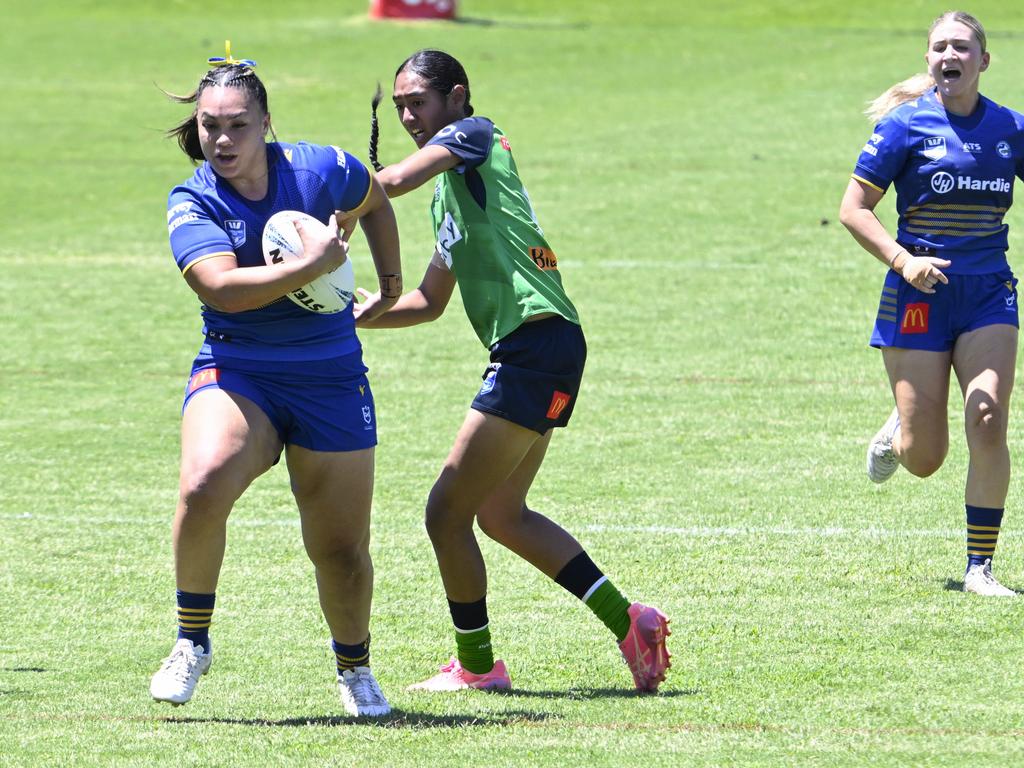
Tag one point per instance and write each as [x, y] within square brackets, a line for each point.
[490, 244]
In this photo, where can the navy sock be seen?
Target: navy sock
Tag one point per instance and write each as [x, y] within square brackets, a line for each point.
[351, 656]
[982, 533]
[195, 612]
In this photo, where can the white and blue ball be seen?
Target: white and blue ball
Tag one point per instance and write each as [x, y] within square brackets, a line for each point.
[329, 293]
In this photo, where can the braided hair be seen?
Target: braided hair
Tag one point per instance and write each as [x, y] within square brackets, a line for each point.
[226, 76]
[442, 73]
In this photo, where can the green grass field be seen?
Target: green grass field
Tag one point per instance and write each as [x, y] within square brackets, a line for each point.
[687, 161]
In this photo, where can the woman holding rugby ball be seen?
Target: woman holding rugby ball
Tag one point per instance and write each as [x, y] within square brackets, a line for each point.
[949, 300]
[490, 244]
[272, 375]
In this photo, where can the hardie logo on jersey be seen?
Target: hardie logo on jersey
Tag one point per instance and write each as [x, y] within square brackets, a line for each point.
[236, 231]
[505, 145]
[341, 155]
[1003, 149]
[934, 147]
[942, 182]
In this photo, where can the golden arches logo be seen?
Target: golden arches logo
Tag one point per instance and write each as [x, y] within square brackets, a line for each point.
[915, 318]
[559, 401]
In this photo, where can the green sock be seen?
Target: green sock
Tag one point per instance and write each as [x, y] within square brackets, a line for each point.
[474, 649]
[611, 607]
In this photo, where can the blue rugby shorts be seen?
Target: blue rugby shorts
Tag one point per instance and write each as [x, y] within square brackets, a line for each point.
[910, 319]
[322, 405]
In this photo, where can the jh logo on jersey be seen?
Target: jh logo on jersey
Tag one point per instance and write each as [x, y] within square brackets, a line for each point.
[236, 231]
[934, 147]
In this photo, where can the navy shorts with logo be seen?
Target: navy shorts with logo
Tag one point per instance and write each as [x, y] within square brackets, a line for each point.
[534, 376]
[910, 319]
[322, 405]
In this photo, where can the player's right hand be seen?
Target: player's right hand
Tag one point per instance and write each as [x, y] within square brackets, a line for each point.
[322, 244]
[924, 272]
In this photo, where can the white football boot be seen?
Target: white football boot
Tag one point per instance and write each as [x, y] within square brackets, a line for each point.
[361, 694]
[177, 677]
[882, 462]
[980, 581]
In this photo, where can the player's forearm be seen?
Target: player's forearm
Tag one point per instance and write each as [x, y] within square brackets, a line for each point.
[381, 231]
[412, 308]
[868, 231]
[244, 288]
[394, 182]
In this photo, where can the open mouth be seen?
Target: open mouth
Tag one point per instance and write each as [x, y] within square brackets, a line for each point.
[951, 73]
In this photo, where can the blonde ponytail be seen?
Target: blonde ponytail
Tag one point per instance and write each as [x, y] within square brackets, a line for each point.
[906, 90]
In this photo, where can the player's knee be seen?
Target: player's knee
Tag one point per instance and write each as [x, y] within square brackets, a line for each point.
[205, 494]
[343, 555]
[443, 516]
[923, 460]
[501, 523]
[986, 425]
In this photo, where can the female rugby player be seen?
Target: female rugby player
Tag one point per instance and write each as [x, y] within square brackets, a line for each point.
[949, 299]
[490, 244]
[270, 375]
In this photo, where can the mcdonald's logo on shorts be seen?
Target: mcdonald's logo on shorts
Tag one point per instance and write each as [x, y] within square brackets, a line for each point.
[203, 378]
[915, 318]
[558, 402]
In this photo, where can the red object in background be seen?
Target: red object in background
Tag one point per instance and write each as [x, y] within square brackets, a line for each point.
[412, 9]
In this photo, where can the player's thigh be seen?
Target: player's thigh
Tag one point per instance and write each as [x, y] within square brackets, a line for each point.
[509, 498]
[920, 384]
[986, 359]
[226, 442]
[985, 362]
[487, 451]
[334, 493]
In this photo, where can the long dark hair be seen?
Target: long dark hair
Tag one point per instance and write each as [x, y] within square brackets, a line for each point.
[442, 73]
[228, 76]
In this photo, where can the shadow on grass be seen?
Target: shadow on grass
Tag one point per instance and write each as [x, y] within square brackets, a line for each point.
[556, 25]
[579, 694]
[397, 719]
[23, 669]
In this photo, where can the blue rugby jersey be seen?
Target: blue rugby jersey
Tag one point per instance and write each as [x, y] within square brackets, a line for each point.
[207, 217]
[953, 177]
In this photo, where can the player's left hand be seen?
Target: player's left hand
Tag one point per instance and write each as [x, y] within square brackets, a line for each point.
[346, 224]
[371, 307]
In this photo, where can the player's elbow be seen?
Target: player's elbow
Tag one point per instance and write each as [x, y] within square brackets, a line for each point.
[225, 300]
[392, 181]
[849, 215]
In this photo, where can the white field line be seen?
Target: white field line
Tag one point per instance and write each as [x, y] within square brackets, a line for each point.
[784, 531]
[661, 530]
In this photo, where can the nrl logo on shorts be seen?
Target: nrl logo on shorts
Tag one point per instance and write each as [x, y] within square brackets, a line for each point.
[934, 147]
[236, 231]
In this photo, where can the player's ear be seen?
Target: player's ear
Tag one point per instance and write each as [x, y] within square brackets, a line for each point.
[457, 98]
[985, 58]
